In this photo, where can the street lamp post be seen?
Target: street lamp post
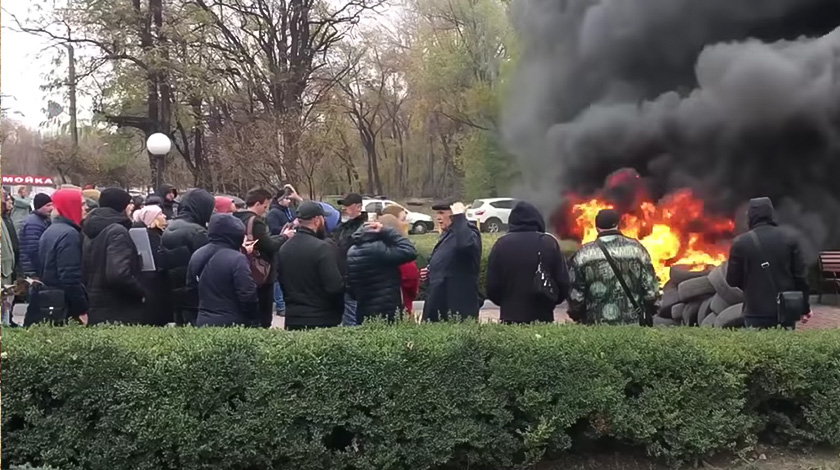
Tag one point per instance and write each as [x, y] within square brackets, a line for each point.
[158, 145]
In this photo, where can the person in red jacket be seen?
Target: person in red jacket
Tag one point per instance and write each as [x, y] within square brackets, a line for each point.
[409, 274]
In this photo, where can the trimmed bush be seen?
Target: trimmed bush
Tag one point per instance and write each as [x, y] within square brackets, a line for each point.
[406, 396]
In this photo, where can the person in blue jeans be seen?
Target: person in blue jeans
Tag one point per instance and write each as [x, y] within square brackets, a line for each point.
[279, 303]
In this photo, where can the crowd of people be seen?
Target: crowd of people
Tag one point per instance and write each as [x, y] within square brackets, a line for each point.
[195, 259]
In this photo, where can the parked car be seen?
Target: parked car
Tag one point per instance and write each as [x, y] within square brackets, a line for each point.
[491, 215]
[418, 222]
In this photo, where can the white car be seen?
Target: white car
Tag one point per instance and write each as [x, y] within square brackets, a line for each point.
[418, 223]
[491, 215]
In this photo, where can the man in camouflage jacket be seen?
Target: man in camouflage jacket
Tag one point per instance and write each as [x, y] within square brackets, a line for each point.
[597, 296]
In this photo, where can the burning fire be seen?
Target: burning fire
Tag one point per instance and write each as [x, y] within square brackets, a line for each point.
[675, 231]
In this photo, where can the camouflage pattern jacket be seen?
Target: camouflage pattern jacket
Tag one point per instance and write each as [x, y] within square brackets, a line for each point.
[596, 295]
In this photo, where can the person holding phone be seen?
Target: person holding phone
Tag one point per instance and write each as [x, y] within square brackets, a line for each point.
[282, 211]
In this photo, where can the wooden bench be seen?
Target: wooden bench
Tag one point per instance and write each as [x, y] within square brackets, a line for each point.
[830, 271]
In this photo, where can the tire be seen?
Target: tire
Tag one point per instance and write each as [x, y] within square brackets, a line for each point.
[419, 228]
[709, 321]
[677, 312]
[690, 312]
[670, 297]
[718, 305]
[732, 295]
[680, 273]
[493, 225]
[732, 317]
[704, 311]
[659, 321]
[695, 288]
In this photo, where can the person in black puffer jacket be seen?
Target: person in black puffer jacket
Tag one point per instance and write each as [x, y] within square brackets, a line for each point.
[222, 276]
[183, 237]
[786, 266]
[110, 263]
[373, 270]
[512, 266]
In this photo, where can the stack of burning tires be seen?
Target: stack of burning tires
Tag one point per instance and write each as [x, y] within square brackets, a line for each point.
[700, 298]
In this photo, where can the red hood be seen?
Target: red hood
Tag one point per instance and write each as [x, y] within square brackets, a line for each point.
[68, 204]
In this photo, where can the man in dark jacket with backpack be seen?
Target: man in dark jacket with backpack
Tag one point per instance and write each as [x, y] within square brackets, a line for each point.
[183, 237]
[517, 260]
[764, 269]
[266, 248]
[220, 273]
[453, 269]
[110, 263]
[373, 271]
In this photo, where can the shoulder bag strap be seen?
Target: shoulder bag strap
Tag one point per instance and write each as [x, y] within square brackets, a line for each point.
[249, 228]
[764, 264]
[618, 275]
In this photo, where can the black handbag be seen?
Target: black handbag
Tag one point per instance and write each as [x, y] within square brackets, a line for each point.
[544, 285]
[644, 312]
[47, 306]
[790, 305]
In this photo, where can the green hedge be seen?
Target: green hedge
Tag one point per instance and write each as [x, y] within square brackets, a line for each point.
[405, 397]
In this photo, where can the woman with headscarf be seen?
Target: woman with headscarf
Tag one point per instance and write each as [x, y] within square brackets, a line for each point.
[60, 293]
[110, 262]
[158, 310]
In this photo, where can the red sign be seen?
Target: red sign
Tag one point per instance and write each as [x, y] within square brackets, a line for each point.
[28, 180]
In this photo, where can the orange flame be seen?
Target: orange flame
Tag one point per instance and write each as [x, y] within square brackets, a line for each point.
[676, 231]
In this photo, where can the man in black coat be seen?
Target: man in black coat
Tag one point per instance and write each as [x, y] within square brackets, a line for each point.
[183, 237]
[168, 194]
[751, 269]
[267, 246]
[513, 265]
[221, 274]
[352, 220]
[110, 263]
[373, 270]
[453, 269]
[308, 271]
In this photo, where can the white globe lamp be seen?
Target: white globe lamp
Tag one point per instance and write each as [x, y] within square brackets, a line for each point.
[158, 144]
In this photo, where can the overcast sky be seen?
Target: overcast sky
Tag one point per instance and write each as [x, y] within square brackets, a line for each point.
[25, 60]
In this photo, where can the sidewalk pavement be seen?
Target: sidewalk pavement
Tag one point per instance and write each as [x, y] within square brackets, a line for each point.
[825, 316]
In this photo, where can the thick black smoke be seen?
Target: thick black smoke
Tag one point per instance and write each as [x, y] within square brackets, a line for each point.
[733, 98]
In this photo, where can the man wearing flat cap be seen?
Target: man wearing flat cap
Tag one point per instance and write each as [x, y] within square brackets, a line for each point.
[352, 219]
[597, 295]
[452, 273]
